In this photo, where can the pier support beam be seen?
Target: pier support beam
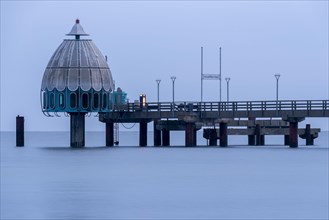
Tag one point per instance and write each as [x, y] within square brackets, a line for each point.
[190, 135]
[251, 140]
[109, 132]
[262, 140]
[258, 135]
[165, 137]
[223, 134]
[77, 129]
[142, 134]
[293, 134]
[156, 134]
[19, 131]
[308, 136]
[293, 130]
[286, 140]
[212, 137]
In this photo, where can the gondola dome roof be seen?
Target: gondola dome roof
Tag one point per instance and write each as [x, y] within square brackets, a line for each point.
[77, 63]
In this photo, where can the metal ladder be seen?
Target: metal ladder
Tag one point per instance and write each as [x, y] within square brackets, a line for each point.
[116, 133]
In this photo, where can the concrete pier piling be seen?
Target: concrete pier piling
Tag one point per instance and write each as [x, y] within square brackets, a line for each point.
[251, 137]
[190, 135]
[293, 130]
[77, 131]
[286, 140]
[293, 134]
[251, 140]
[19, 131]
[262, 140]
[223, 134]
[212, 137]
[308, 136]
[109, 130]
[258, 135]
[143, 134]
[157, 134]
[165, 137]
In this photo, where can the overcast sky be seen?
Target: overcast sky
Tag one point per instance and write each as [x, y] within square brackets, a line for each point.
[147, 40]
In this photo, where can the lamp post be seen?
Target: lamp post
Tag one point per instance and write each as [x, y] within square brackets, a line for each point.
[277, 76]
[158, 83]
[173, 78]
[228, 86]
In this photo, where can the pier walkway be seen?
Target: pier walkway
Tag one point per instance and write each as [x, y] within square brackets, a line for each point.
[195, 115]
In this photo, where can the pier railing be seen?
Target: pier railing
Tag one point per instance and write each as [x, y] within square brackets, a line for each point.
[281, 108]
[227, 106]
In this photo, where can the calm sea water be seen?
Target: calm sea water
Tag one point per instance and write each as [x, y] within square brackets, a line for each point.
[48, 180]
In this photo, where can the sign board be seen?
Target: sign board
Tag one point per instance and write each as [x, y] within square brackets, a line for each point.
[210, 76]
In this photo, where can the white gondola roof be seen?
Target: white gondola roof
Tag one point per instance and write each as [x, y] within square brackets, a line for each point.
[77, 63]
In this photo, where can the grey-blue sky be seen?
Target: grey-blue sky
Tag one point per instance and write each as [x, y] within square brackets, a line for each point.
[147, 40]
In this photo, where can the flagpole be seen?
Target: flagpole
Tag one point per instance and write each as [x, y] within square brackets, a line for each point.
[201, 74]
[220, 74]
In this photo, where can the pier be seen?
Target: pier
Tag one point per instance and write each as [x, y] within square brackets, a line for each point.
[78, 82]
[193, 116]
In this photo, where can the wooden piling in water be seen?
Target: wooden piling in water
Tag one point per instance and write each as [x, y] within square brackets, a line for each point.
[293, 134]
[308, 136]
[156, 134]
[257, 134]
[251, 140]
[223, 134]
[212, 137]
[262, 140]
[19, 131]
[286, 140]
[190, 135]
[165, 137]
[143, 134]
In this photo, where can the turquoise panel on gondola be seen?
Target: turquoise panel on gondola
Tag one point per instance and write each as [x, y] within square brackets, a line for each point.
[76, 101]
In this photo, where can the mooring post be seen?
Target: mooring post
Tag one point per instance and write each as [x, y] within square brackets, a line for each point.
[223, 134]
[142, 133]
[77, 131]
[309, 139]
[212, 137]
[293, 134]
[165, 137]
[109, 133]
[157, 134]
[19, 131]
[258, 135]
[190, 135]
